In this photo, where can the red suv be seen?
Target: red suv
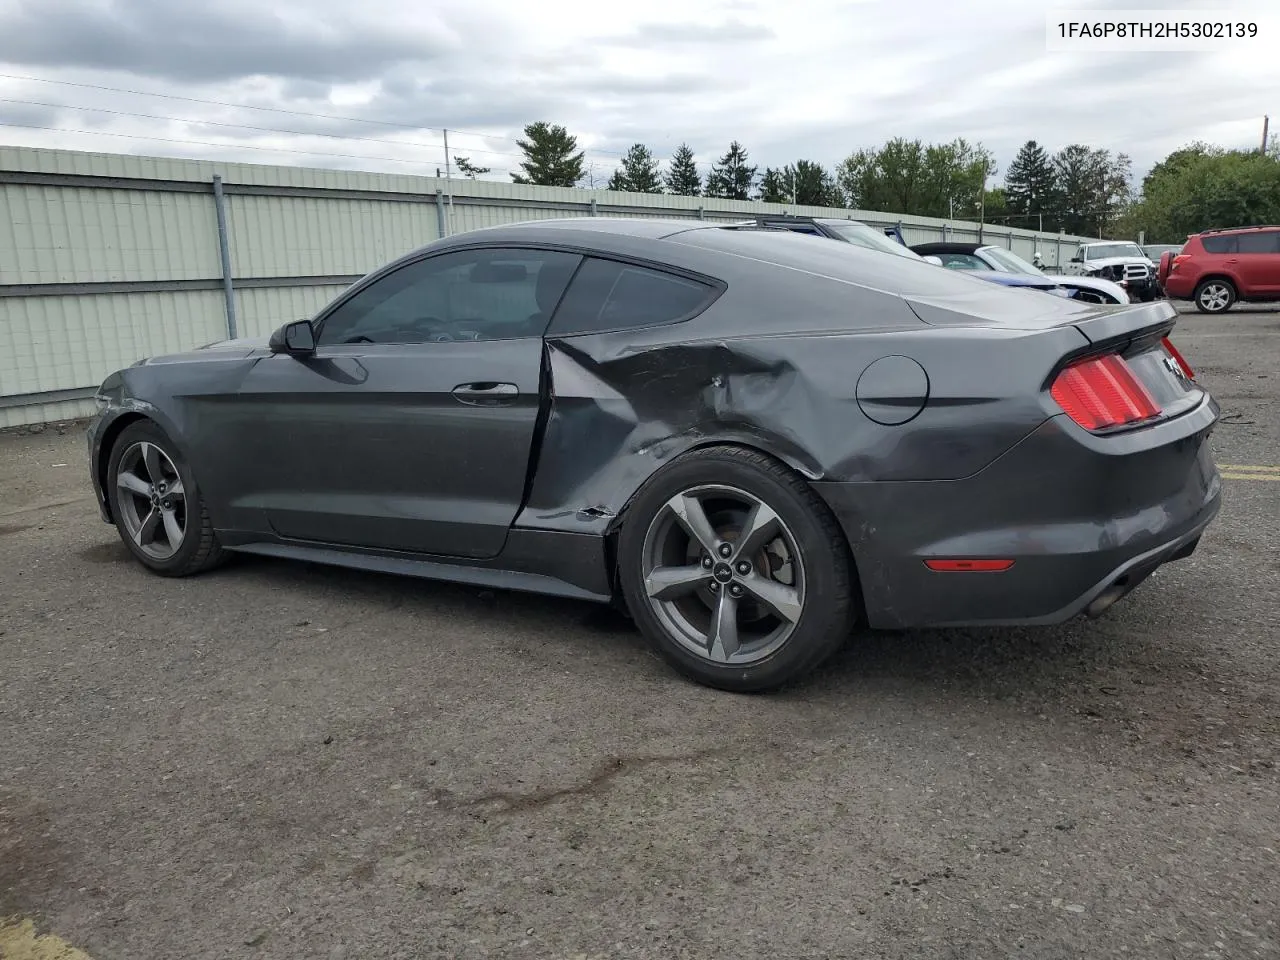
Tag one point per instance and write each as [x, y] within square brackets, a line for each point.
[1218, 267]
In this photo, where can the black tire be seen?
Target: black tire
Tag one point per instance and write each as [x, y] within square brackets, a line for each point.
[823, 577]
[1217, 304]
[198, 548]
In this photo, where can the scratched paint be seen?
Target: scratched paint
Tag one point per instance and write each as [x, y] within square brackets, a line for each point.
[19, 941]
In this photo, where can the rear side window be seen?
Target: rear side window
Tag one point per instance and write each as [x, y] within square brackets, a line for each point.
[1219, 244]
[608, 295]
[1266, 242]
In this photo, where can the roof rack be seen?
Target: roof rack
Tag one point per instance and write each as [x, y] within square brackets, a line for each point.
[1252, 226]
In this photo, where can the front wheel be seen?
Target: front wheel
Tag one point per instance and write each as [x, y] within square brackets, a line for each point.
[1215, 296]
[736, 571]
[156, 505]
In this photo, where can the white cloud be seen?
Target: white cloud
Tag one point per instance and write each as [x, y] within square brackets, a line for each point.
[814, 79]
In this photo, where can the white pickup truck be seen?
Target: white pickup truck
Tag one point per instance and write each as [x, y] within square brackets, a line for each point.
[1120, 261]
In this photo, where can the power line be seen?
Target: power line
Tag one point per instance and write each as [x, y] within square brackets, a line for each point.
[246, 126]
[297, 113]
[249, 106]
[208, 143]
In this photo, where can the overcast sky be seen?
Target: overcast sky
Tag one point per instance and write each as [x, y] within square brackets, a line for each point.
[812, 79]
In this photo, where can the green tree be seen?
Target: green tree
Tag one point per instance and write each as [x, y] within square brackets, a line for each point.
[812, 185]
[911, 177]
[550, 159]
[469, 169]
[1082, 175]
[732, 178]
[858, 178]
[1203, 186]
[774, 187]
[682, 175]
[638, 173]
[1031, 185]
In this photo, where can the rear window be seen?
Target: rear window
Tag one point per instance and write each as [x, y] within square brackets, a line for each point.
[1265, 242]
[608, 295]
[1219, 244]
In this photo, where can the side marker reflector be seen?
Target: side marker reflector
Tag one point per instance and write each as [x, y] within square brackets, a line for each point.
[968, 566]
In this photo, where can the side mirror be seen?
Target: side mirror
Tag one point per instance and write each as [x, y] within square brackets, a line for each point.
[1077, 259]
[936, 261]
[296, 339]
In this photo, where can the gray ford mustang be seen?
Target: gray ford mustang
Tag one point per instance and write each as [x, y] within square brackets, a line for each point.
[750, 441]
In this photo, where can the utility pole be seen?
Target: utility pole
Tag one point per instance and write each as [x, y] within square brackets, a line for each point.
[448, 176]
[1266, 125]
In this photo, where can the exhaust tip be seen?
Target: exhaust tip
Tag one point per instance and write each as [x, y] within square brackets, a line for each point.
[1098, 606]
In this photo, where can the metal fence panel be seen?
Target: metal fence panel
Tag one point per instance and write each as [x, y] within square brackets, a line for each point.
[106, 258]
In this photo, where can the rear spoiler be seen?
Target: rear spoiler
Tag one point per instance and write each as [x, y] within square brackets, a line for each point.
[1135, 321]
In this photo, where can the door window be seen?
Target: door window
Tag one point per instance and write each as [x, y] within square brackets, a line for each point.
[1261, 242]
[491, 294]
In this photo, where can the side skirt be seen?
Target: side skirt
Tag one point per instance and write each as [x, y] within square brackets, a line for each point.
[533, 561]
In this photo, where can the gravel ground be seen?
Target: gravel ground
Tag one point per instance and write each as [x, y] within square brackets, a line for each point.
[278, 760]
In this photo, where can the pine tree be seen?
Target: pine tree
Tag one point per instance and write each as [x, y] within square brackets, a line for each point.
[549, 156]
[774, 187]
[469, 169]
[731, 178]
[638, 173]
[1031, 185]
[682, 176]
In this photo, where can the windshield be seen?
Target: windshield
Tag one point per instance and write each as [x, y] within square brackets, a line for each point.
[1011, 262]
[865, 236]
[1101, 251]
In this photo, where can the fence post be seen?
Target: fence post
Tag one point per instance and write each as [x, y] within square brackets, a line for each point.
[1010, 239]
[946, 232]
[224, 252]
[593, 206]
[700, 216]
[1057, 252]
[440, 211]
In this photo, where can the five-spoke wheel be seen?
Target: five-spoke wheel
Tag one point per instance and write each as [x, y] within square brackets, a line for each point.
[723, 574]
[736, 570]
[152, 501]
[155, 504]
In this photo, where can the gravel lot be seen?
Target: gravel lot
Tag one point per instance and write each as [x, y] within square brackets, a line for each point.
[279, 760]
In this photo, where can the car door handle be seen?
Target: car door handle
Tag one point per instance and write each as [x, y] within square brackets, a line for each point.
[486, 392]
[1233, 260]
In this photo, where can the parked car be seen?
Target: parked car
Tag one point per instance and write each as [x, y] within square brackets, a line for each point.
[724, 431]
[983, 258]
[848, 231]
[1120, 261]
[1154, 251]
[1161, 254]
[1218, 267]
[888, 240]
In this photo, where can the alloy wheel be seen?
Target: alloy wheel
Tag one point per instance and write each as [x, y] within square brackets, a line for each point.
[1215, 297]
[723, 575]
[152, 500]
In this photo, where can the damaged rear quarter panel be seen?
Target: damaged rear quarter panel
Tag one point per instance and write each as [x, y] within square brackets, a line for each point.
[624, 404]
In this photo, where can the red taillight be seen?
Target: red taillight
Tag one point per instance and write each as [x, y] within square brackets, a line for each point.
[1173, 352]
[968, 566]
[1180, 258]
[1102, 392]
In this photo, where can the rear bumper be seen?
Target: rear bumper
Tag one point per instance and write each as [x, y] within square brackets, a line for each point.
[1178, 287]
[1085, 520]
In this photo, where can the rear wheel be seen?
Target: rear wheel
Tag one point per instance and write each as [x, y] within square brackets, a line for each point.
[156, 505]
[1215, 296]
[736, 571]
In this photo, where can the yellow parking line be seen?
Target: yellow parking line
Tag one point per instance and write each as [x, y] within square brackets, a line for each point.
[1247, 468]
[1241, 475]
[19, 941]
